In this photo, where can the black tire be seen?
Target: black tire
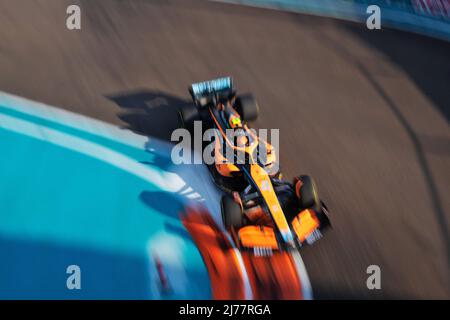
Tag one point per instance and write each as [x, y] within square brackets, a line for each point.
[188, 114]
[247, 107]
[309, 197]
[231, 213]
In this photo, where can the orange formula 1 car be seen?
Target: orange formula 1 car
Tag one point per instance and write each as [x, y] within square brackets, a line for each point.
[262, 212]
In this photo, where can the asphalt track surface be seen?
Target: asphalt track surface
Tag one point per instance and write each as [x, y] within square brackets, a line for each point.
[364, 112]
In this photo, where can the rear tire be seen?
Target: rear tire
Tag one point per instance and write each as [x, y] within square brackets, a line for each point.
[188, 114]
[247, 107]
[231, 213]
[308, 197]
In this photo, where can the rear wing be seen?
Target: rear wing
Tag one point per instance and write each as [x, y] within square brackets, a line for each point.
[205, 92]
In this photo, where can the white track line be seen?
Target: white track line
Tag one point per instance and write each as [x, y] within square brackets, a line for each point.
[166, 181]
[72, 120]
[303, 274]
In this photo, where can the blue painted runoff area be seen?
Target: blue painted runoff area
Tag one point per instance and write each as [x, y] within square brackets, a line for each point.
[76, 191]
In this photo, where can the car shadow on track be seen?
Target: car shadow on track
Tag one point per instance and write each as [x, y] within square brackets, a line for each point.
[155, 114]
[149, 112]
[164, 202]
[170, 205]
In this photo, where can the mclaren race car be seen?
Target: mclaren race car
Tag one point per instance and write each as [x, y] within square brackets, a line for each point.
[261, 211]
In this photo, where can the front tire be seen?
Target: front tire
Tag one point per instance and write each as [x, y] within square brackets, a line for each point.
[188, 114]
[232, 215]
[247, 107]
[306, 191]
